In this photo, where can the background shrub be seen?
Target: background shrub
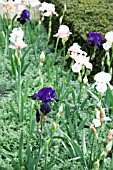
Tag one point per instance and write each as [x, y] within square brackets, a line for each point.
[84, 16]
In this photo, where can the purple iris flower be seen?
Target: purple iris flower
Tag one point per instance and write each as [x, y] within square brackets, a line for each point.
[46, 95]
[25, 15]
[95, 38]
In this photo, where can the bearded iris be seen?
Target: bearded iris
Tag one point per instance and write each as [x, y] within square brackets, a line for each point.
[25, 15]
[95, 38]
[45, 95]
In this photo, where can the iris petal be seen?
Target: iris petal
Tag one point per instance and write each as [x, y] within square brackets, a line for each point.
[46, 94]
[25, 14]
[34, 97]
[45, 108]
[96, 39]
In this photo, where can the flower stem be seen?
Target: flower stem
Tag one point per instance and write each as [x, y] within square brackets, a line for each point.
[49, 28]
[56, 46]
[19, 92]
[91, 152]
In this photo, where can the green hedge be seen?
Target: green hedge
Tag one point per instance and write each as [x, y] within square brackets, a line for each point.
[83, 17]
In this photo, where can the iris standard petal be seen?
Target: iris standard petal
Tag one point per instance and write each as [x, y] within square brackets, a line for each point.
[25, 14]
[46, 94]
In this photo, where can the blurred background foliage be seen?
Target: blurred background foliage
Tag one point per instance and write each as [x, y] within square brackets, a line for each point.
[83, 17]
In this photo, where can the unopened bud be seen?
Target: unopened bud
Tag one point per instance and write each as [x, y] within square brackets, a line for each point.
[79, 78]
[39, 22]
[102, 113]
[47, 144]
[39, 131]
[94, 131]
[96, 165]
[55, 126]
[106, 150]
[42, 57]
[111, 71]
[93, 128]
[59, 112]
[41, 64]
[41, 80]
[65, 7]
[48, 141]
[58, 116]
[108, 58]
[60, 109]
[85, 80]
[103, 155]
[108, 147]
[3, 33]
[110, 134]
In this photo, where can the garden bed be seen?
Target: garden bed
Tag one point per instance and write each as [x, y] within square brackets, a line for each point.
[51, 117]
